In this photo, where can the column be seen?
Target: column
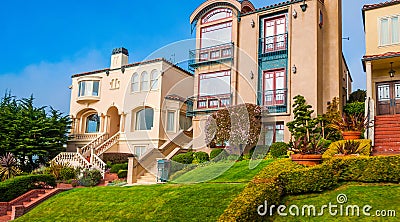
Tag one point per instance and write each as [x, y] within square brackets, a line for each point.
[132, 170]
[105, 124]
[369, 79]
[122, 122]
[102, 123]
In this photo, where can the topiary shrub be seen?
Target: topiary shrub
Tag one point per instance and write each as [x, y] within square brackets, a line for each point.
[201, 157]
[333, 148]
[218, 154]
[19, 185]
[90, 178]
[354, 108]
[68, 173]
[122, 174]
[184, 158]
[279, 149]
[115, 168]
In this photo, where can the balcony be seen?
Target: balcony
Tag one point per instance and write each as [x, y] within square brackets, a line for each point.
[276, 100]
[88, 99]
[210, 55]
[273, 45]
[213, 102]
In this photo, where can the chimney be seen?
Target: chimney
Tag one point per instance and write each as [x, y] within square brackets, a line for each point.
[119, 58]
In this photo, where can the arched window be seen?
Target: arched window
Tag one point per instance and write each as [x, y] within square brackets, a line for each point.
[135, 83]
[217, 14]
[92, 123]
[144, 119]
[154, 79]
[144, 86]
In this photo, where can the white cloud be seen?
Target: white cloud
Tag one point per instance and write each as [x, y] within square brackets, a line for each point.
[49, 82]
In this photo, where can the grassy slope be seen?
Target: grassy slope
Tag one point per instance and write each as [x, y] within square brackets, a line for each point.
[224, 172]
[139, 203]
[170, 202]
[379, 196]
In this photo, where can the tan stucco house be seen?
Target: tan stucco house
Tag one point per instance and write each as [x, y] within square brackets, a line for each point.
[267, 56]
[381, 60]
[137, 108]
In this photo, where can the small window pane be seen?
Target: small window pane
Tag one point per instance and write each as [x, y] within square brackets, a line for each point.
[95, 88]
[135, 83]
[395, 29]
[144, 86]
[154, 79]
[384, 31]
[140, 150]
[171, 121]
[144, 119]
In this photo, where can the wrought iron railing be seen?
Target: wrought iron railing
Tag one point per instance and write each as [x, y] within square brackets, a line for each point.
[275, 43]
[210, 54]
[276, 100]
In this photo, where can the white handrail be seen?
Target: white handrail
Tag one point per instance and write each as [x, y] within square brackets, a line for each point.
[92, 144]
[107, 144]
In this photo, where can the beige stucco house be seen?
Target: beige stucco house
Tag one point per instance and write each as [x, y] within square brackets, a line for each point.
[137, 108]
[381, 60]
[267, 56]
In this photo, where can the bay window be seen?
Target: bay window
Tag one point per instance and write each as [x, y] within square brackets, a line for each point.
[88, 88]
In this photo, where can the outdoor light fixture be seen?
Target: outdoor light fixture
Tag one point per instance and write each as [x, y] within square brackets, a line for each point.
[391, 71]
[252, 23]
[251, 75]
[294, 13]
[303, 6]
[294, 69]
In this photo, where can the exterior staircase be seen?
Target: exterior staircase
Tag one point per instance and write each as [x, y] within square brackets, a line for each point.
[387, 135]
[87, 157]
[26, 202]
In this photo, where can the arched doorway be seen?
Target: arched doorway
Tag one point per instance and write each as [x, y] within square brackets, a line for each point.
[113, 121]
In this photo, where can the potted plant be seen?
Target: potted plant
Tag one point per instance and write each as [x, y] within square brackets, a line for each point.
[349, 147]
[308, 151]
[350, 125]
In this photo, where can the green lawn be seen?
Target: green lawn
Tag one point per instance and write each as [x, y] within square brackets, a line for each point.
[168, 202]
[224, 172]
[378, 196]
[194, 202]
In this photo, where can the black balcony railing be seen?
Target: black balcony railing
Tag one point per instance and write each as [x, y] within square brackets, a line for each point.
[276, 100]
[212, 54]
[275, 43]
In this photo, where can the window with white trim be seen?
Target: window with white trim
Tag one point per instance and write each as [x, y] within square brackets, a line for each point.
[140, 150]
[217, 14]
[154, 79]
[144, 119]
[171, 121]
[135, 83]
[216, 35]
[215, 84]
[144, 82]
[389, 30]
[88, 88]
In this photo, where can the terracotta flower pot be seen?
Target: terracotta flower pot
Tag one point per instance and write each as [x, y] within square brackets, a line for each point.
[307, 159]
[351, 135]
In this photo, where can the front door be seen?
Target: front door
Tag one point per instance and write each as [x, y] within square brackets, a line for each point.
[388, 98]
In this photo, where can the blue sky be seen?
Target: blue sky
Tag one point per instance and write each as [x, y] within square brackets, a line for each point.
[43, 42]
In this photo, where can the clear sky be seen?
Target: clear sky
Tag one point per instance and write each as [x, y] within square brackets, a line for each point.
[43, 42]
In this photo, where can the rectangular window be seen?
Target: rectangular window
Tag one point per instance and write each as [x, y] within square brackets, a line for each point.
[213, 103]
[215, 84]
[140, 150]
[383, 92]
[171, 121]
[274, 34]
[389, 30]
[202, 104]
[275, 87]
[216, 35]
[274, 132]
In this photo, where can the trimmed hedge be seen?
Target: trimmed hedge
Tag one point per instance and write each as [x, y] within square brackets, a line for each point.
[201, 157]
[278, 149]
[15, 187]
[332, 150]
[115, 168]
[122, 174]
[184, 158]
[285, 177]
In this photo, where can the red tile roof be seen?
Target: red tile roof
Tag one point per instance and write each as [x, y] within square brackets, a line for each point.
[381, 56]
[379, 5]
[133, 65]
